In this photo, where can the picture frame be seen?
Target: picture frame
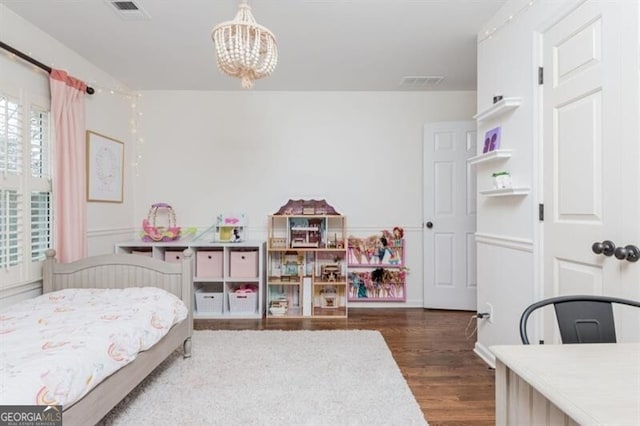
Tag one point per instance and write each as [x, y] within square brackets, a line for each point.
[492, 140]
[105, 168]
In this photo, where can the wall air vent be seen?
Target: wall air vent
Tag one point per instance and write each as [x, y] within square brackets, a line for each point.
[420, 82]
[128, 10]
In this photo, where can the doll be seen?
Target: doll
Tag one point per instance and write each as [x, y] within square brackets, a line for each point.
[398, 233]
[382, 249]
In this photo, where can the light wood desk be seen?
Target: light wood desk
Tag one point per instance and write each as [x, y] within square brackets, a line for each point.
[588, 384]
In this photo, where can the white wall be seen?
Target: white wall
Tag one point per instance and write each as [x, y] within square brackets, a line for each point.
[211, 152]
[105, 113]
[508, 228]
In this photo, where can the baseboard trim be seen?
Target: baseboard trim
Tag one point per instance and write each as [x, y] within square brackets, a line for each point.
[521, 244]
[485, 354]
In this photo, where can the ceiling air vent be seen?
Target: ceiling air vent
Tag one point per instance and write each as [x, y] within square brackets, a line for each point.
[125, 5]
[420, 82]
[129, 10]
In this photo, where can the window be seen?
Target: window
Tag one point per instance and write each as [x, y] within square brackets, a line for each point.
[25, 190]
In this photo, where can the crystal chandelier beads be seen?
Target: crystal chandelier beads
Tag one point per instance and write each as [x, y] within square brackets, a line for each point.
[244, 48]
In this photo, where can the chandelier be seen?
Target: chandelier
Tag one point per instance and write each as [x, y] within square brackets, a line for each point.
[245, 49]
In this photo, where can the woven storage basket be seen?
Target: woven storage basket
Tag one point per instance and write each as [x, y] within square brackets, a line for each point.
[243, 303]
[209, 302]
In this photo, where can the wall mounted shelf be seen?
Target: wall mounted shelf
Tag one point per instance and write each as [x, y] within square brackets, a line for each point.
[498, 154]
[498, 109]
[505, 192]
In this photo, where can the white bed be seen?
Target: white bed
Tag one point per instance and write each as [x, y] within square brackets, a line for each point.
[122, 271]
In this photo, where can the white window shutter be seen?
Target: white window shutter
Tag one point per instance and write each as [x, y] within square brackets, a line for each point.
[11, 228]
[25, 190]
[40, 149]
[10, 136]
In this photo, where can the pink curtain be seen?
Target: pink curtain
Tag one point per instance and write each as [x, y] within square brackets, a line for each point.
[69, 178]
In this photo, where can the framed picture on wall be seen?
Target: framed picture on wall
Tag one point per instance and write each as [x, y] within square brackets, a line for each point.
[491, 140]
[105, 168]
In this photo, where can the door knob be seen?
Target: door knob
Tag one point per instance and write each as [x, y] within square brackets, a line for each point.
[606, 247]
[429, 225]
[631, 253]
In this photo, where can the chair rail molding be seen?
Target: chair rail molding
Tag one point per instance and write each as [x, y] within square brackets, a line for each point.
[514, 243]
[105, 232]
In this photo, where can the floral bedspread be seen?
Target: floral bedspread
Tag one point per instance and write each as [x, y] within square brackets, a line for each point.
[56, 347]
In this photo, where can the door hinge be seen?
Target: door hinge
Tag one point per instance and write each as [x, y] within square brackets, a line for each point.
[540, 212]
[540, 75]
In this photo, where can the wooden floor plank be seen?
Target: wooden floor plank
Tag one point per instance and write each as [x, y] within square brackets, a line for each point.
[452, 385]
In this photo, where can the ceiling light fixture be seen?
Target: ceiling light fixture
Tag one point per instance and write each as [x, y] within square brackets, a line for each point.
[245, 49]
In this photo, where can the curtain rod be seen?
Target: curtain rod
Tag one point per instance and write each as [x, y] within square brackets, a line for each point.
[38, 64]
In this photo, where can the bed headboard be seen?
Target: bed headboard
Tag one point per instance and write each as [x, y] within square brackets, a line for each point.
[121, 271]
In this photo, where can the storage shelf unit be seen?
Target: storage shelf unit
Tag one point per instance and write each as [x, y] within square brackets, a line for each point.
[365, 260]
[306, 266]
[228, 278]
[489, 115]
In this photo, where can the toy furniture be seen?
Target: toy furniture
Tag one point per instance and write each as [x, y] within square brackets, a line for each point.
[306, 261]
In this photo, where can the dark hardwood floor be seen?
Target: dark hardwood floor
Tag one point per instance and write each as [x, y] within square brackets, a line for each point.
[452, 385]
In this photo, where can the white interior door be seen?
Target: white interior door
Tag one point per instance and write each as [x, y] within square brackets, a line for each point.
[585, 181]
[449, 216]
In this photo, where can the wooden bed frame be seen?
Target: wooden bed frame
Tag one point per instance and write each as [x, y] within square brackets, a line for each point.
[121, 271]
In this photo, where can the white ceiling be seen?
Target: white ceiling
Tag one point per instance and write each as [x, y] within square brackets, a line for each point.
[323, 44]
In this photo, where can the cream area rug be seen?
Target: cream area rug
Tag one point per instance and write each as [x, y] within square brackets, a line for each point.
[275, 378]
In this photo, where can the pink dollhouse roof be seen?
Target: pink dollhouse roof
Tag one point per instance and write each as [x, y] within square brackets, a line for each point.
[299, 207]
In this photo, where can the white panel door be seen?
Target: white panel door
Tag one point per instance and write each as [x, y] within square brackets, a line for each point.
[586, 185]
[449, 216]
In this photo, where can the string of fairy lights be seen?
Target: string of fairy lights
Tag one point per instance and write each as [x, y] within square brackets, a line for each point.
[136, 113]
[489, 33]
[132, 97]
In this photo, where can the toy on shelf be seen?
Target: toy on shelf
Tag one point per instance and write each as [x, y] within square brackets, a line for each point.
[330, 272]
[386, 248]
[307, 207]
[152, 232]
[278, 307]
[227, 229]
[328, 297]
[306, 233]
[230, 228]
[380, 284]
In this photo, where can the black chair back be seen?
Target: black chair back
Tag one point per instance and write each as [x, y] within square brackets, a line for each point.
[586, 321]
[581, 319]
